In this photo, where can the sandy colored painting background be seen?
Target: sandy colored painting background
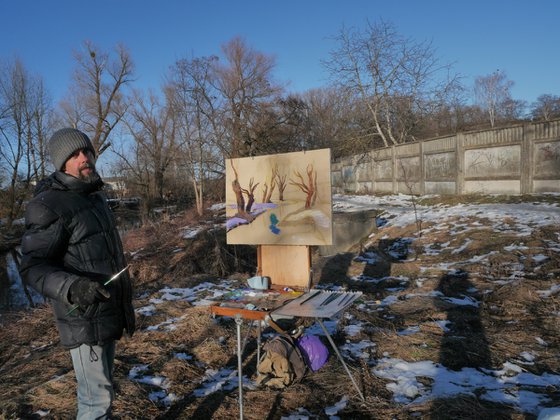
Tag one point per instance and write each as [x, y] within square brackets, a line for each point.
[296, 225]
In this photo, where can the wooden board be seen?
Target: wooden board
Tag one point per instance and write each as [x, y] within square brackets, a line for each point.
[243, 313]
[250, 303]
[286, 265]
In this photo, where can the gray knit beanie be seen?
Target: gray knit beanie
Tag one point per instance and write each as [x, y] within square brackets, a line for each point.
[65, 142]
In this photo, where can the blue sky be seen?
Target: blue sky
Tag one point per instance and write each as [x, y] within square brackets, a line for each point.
[518, 37]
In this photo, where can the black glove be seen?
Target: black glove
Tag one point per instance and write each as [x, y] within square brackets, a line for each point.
[84, 292]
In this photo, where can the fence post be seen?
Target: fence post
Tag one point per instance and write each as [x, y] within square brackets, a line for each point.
[422, 180]
[460, 159]
[527, 161]
[394, 170]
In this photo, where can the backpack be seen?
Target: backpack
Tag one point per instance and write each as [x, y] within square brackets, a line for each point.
[281, 364]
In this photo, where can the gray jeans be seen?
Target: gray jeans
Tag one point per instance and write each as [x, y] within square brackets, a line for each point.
[93, 366]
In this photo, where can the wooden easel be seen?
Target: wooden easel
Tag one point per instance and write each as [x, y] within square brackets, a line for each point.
[286, 265]
[290, 266]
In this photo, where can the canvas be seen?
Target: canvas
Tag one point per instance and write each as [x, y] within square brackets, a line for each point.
[281, 199]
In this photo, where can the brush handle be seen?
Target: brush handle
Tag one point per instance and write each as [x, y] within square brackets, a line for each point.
[318, 292]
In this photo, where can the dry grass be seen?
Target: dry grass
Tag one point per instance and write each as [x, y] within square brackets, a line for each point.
[36, 372]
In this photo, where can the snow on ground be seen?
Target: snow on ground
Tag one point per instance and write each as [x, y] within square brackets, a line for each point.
[17, 296]
[399, 207]
[510, 384]
[503, 385]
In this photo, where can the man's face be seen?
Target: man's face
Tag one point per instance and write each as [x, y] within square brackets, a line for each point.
[81, 164]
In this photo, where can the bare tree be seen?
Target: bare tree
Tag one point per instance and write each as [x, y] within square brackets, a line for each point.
[153, 129]
[134, 166]
[546, 107]
[245, 82]
[397, 80]
[24, 110]
[280, 126]
[195, 102]
[328, 116]
[42, 117]
[492, 92]
[411, 180]
[514, 110]
[96, 101]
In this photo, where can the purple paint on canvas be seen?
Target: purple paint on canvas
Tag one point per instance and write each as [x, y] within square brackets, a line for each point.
[258, 208]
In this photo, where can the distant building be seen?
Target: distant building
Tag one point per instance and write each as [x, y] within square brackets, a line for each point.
[115, 187]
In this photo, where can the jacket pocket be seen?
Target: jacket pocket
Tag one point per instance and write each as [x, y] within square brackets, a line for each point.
[91, 311]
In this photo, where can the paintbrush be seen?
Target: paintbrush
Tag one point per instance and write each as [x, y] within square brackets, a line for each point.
[318, 292]
[113, 278]
[346, 299]
[330, 299]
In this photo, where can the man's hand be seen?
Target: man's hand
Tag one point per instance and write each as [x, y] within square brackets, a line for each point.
[84, 292]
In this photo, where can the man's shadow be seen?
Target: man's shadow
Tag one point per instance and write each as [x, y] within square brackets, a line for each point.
[334, 269]
[378, 261]
[465, 343]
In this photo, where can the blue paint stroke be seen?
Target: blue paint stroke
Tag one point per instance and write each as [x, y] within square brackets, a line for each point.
[273, 222]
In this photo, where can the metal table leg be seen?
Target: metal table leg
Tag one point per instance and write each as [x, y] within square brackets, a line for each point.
[238, 322]
[340, 357]
[249, 330]
[258, 342]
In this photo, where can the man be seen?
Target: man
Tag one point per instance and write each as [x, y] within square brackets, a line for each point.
[71, 248]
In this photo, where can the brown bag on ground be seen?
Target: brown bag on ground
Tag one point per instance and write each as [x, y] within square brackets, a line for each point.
[281, 363]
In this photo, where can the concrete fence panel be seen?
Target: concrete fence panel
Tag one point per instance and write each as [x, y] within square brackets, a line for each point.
[512, 160]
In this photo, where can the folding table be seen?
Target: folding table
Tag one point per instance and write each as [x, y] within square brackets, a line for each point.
[293, 297]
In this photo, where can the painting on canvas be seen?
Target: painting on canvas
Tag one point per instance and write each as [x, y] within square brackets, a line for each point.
[281, 199]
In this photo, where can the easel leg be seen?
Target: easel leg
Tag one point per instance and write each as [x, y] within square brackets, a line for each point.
[249, 330]
[238, 322]
[340, 357]
[258, 342]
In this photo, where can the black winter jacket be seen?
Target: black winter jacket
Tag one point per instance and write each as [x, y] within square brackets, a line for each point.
[71, 233]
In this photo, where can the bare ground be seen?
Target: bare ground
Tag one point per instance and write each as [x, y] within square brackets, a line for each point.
[36, 372]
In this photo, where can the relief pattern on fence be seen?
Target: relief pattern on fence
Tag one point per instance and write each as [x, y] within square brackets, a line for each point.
[520, 159]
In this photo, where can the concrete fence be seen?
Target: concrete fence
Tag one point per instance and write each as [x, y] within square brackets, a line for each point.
[519, 159]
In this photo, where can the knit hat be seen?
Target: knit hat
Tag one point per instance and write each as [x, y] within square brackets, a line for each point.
[65, 142]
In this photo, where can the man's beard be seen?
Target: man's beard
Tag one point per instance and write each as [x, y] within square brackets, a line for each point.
[91, 177]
